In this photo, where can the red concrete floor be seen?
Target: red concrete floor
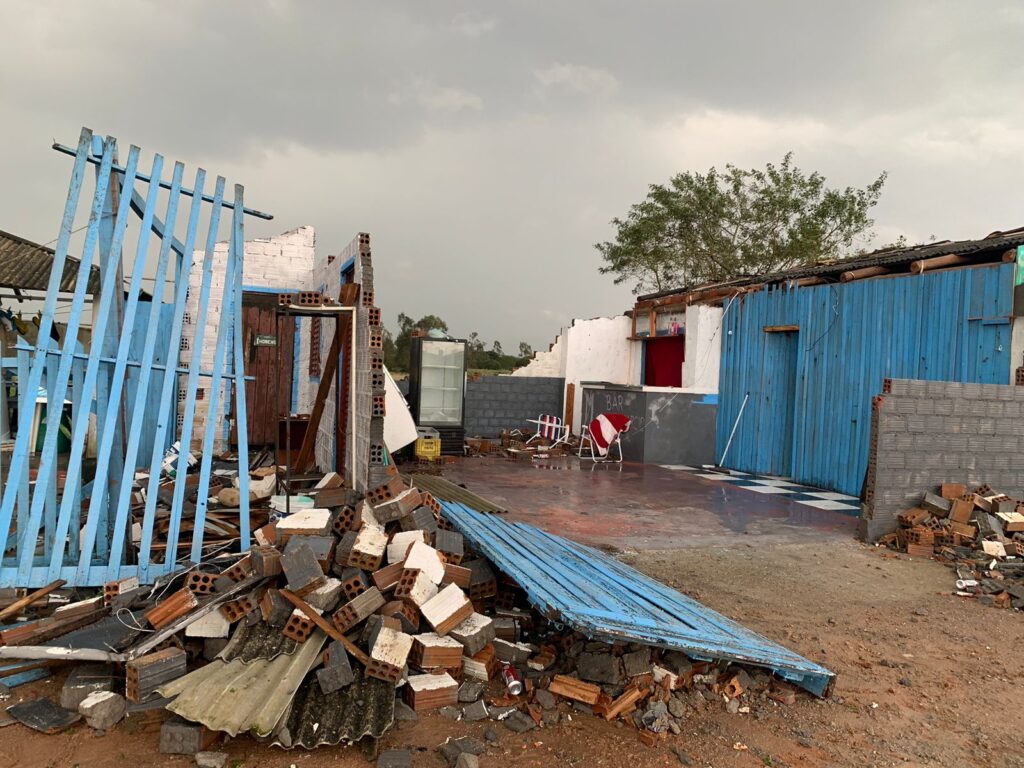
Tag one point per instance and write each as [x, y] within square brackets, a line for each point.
[641, 506]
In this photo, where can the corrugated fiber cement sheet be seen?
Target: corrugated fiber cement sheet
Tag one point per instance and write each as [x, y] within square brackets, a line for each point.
[606, 600]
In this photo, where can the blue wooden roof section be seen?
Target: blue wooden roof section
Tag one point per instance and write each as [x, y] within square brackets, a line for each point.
[607, 600]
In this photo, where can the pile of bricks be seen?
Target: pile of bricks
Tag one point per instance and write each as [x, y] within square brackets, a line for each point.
[403, 599]
[979, 533]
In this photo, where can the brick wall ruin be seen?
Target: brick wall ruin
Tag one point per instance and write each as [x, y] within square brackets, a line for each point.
[925, 433]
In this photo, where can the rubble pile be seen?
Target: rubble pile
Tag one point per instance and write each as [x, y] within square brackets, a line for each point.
[353, 611]
[980, 534]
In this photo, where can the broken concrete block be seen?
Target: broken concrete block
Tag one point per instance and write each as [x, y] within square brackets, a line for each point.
[467, 760]
[452, 749]
[423, 692]
[398, 507]
[512, 653]
[446, 610]
[368, 548]
[395, 758]
[545, 698]
[637, 663]
[471, 690]
[337, 670]
[449, 544]
[212, 646]
[326, 596]
[600, 668]
[421, 519]
[213, 624]
[330, 480]
[103, 710]
[431, 651]
[343, 551]
[425, 558]
[301, 568]
[401, 542]
[474, 633]
[475, 711]
[274, 608]
[519, 722]
[211, 759]
[306, 522]
[83, 680]
[415, 586]
[935, 504]
[358, 609]
[389, 655]
[180, 737]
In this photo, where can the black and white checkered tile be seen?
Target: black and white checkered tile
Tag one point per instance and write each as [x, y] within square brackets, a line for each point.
[776, 486]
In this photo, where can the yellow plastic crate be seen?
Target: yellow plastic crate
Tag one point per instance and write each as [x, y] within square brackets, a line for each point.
[428, 447]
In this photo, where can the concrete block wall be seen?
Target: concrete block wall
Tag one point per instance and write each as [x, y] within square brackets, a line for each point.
[494, 403]
[283, 261]
[925, 433]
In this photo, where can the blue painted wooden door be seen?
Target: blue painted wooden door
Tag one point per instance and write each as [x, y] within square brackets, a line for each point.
[777, 406]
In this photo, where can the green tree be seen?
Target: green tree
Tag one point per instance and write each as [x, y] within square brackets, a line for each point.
[717, 225]
[406, 325]
[525, 350]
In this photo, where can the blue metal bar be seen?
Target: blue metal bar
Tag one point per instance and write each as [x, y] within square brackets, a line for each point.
[106, 307]
[80, 399]
[130, 363]
[210, 428]
[193, 381]
[48, 463]
[54, 415]
[165, 185]
[26, 403]
[168, 399]
[164, 232]
[29, 384]
[241, 412]
[124, 489]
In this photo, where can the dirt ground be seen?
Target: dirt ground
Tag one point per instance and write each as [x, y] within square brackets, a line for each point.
[924, 678]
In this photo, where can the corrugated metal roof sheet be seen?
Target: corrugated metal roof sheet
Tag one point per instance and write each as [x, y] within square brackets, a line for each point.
[888, 257]
[606, 600]
[445, 490]
[234, 696]
[364, 708]
[27, 265]
[260, 641]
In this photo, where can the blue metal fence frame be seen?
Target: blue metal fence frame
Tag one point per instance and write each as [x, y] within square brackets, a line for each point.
[47, 525]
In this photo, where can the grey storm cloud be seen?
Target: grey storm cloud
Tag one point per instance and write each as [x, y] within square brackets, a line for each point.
[486, 146]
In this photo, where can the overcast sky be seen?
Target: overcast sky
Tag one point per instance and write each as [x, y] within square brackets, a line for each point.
[486, 146]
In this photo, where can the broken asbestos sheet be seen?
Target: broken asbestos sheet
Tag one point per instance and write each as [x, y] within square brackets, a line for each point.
[606, 600]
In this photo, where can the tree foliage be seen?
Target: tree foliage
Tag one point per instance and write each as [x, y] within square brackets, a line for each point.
[708, 227]
[397, 348]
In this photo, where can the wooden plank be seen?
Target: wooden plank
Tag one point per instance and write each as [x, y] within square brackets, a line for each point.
[27, 600]
[241, 412]
[332, 631]
[570, 405]
[781, 328]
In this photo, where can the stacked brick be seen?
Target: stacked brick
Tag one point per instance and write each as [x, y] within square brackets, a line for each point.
[496, 403]
[925, 433]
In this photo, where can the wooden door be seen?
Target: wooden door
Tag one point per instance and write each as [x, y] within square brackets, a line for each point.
[269, 357]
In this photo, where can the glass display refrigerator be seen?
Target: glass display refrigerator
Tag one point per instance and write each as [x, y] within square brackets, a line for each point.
[437, 388]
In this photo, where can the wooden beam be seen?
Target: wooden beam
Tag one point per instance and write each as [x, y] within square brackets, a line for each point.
[326, 626]
[949, 260]
[863, 272]
[652, 318]
[27, 600]
[781, 328]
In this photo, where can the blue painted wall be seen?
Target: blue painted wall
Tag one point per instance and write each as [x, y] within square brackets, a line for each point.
[946, 326]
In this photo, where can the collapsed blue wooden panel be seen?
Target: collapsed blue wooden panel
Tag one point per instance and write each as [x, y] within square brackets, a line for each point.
[606, 600]
[944, 326]
[125, 384]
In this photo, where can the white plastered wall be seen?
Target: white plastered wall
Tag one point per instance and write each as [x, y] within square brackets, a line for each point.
[703, 355]
[284, 261]
[600, 350]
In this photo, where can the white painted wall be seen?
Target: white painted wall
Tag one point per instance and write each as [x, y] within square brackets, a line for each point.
[600, 350]
[282, 261]
[703, 355]
[546, 363]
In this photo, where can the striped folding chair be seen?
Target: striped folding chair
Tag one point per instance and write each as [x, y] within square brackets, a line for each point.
[601, 435]
[550, 428]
